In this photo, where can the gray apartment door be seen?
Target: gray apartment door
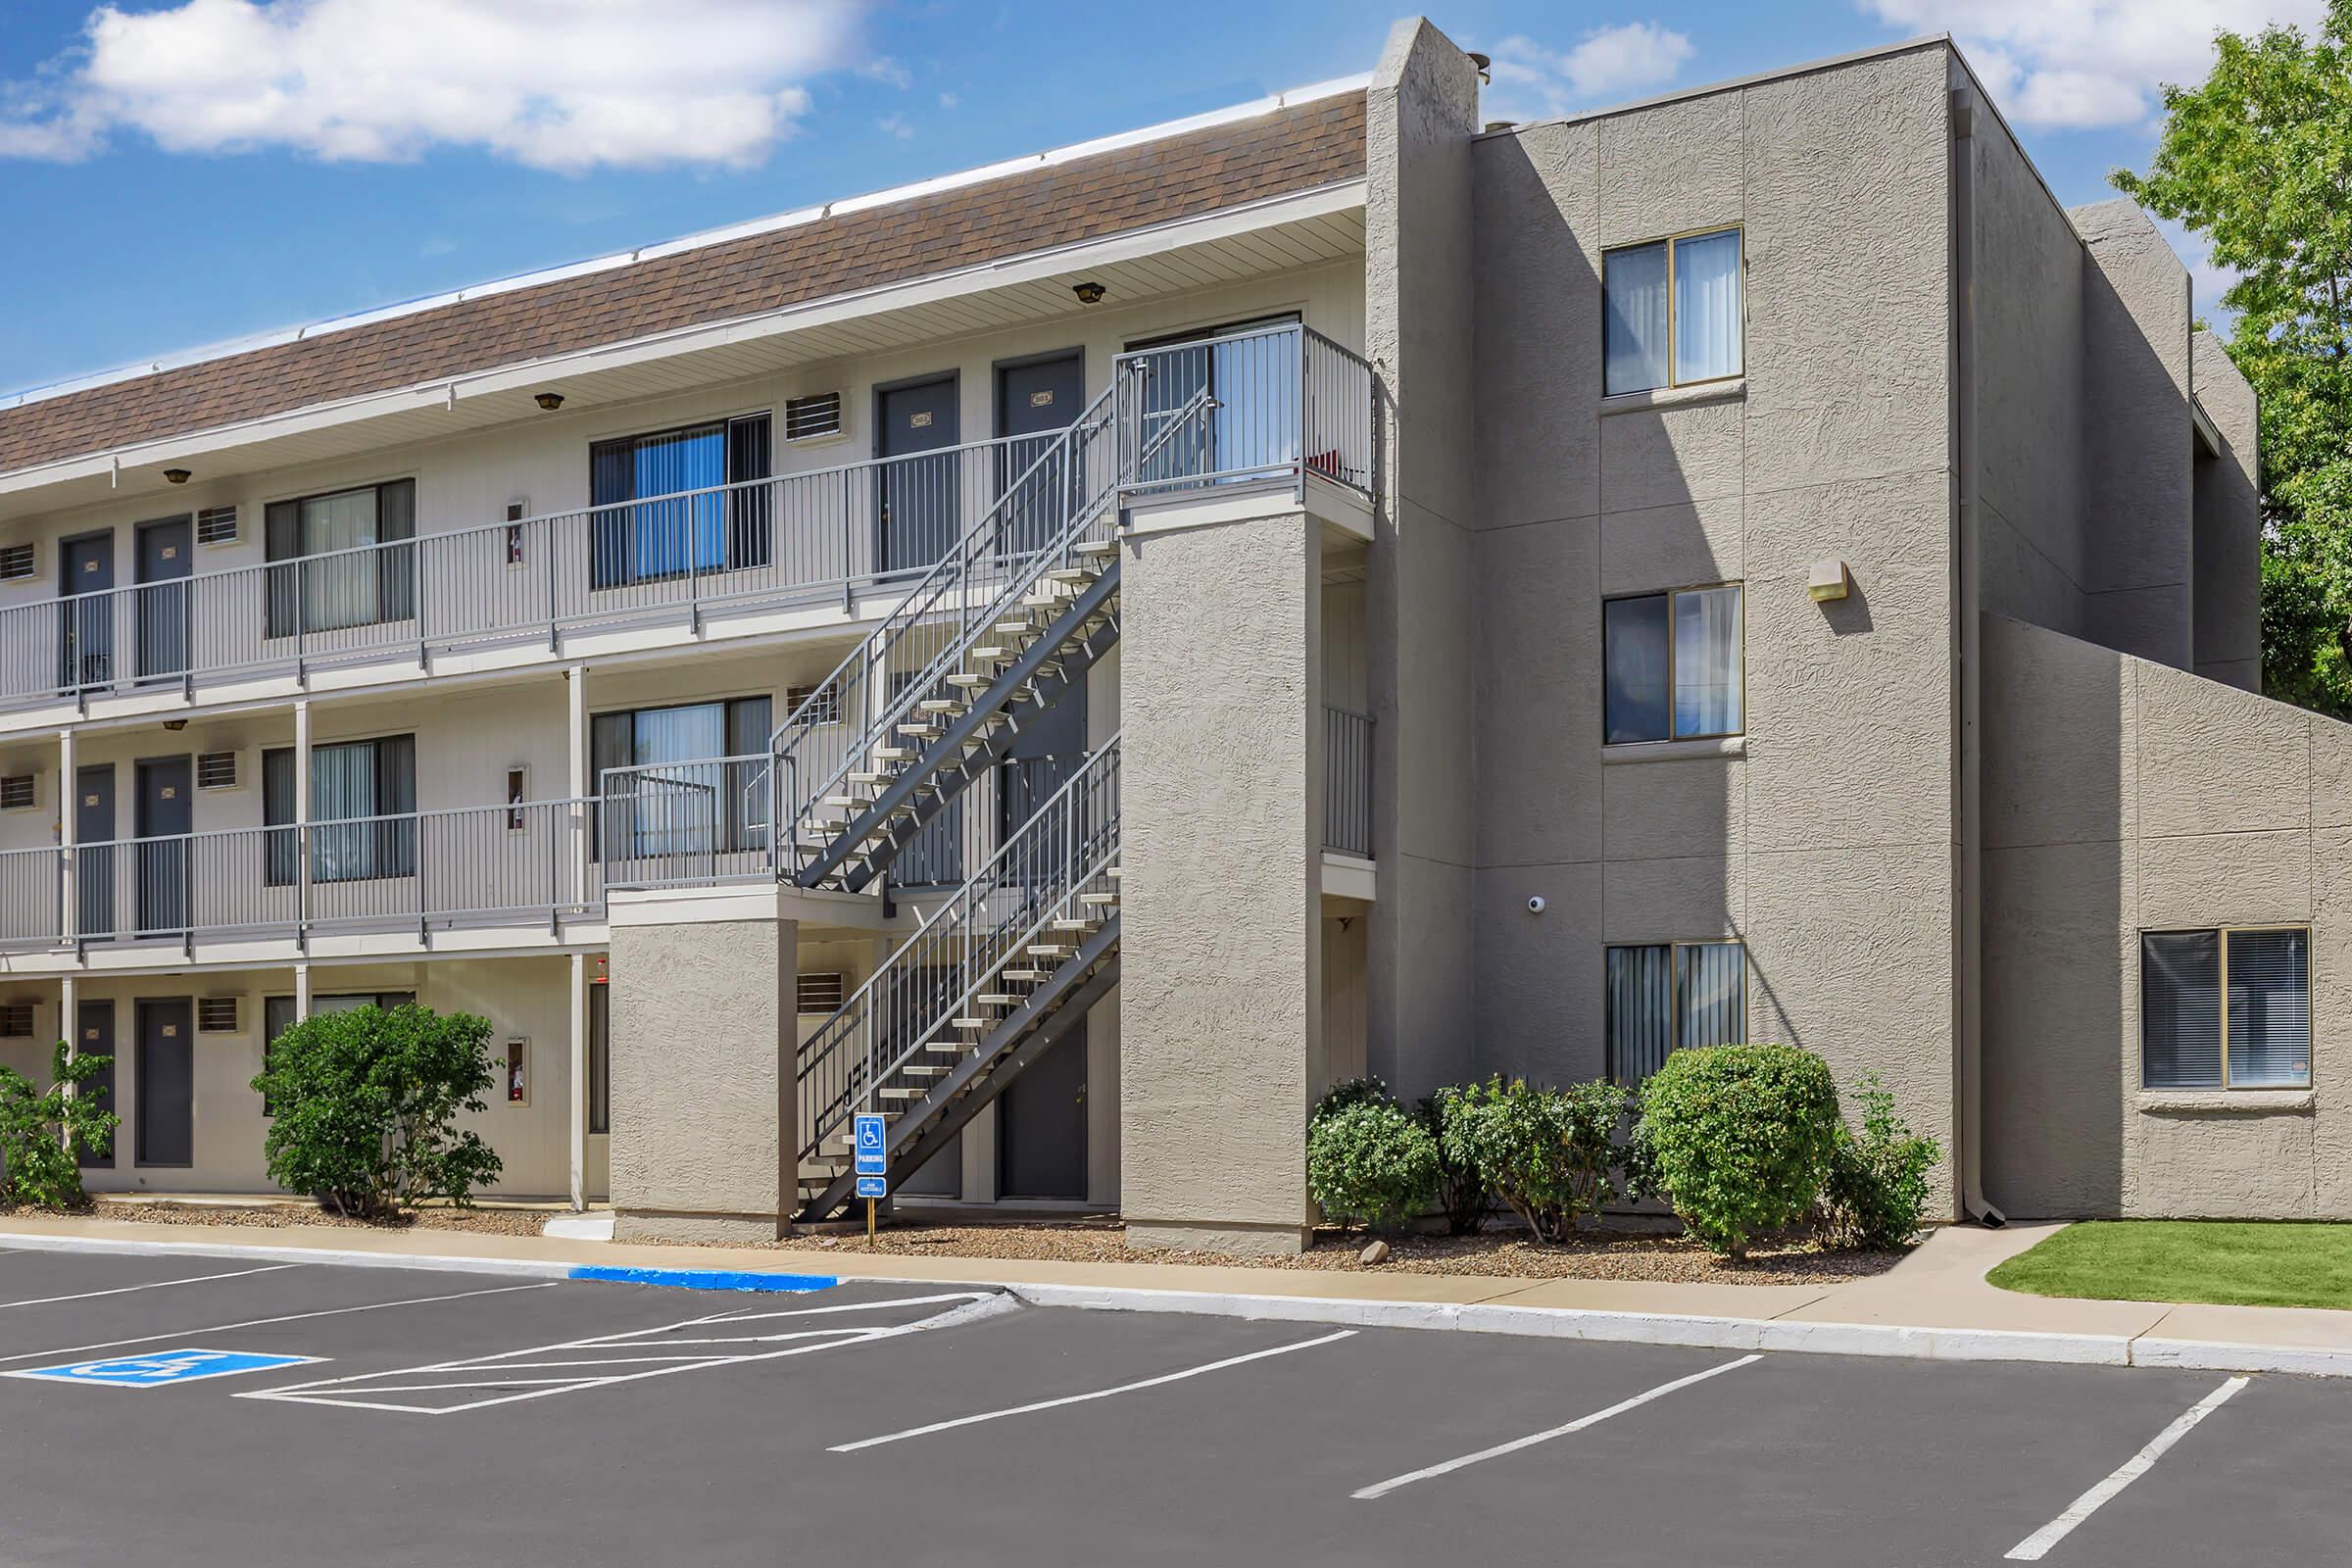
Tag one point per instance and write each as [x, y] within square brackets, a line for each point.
[94, 868]
[918, 502]
[162, 820]
[1041, 1125]
[162, 598]
[166, 1079]
[85, 629]
[1036, 401]
[934, 857]
[1047, 750]
[95, 1037]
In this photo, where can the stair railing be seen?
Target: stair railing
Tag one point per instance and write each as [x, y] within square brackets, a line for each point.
[958, 953]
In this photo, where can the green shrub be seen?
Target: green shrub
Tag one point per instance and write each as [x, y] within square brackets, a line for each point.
[1461, 1188]
[1875, 1191]
[40, 1133]
[1371, 1163]
[1545, 1153]
[1740, 1137]
[1364, 1091]
[365, 1103]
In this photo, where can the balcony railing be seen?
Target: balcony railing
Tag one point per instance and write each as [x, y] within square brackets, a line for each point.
[798, 539]
[421, 872]
[1281, 404]
[1347, 781]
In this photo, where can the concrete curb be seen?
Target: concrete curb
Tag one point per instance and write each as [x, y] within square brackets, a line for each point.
[1536, 1322]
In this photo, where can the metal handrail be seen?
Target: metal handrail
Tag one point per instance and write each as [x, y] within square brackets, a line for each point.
[960, 948]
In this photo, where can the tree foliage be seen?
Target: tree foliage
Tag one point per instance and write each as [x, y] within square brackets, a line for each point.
[364, 1106]
[2258, 160]
[1545, 1153]
[41, 1131]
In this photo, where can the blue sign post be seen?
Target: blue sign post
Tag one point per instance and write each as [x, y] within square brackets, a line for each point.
[869, 1143]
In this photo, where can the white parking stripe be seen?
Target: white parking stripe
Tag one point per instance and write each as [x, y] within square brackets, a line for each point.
[1384, 1488]
[151, 1285]
[263, 1322]
[1081, 1398]
[2035, 1546]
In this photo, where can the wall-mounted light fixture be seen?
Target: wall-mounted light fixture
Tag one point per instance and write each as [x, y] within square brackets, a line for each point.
[1484, 67]
[176, 476]
[1088, 292]
[550, 401]
[175, 726]
[1828, 580]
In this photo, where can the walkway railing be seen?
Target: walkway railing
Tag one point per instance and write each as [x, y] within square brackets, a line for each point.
[415, 872]
[1283, 403]
[801, 538]
[1347, 781]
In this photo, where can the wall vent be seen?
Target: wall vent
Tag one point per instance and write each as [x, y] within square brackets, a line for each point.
[820, 992]
[216, 1016]
[18, 791]
[818, 414]
[217, 526]
[17, 562]
[216, 770]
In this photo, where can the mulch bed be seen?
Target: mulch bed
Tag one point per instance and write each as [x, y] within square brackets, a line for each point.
[274, 1216]
[1595, 1254]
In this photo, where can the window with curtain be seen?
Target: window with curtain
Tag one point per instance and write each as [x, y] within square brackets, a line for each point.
[647, 529]
[363, 797]
[1673, 666]
[692, 809]
[2228, 1009]
[1671, 313]
[1663, 996]
[341, 560]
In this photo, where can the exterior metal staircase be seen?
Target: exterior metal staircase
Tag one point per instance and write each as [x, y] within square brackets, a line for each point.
[992, 979]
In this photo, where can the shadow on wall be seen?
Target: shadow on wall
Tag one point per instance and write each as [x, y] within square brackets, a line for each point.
[2060, 926]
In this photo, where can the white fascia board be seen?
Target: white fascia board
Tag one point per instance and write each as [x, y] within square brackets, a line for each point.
[445, 392]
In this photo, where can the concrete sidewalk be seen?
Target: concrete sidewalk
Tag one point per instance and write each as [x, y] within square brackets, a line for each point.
[1935, 1303]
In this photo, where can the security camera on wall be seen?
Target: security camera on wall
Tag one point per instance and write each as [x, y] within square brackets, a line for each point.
[1535, 903]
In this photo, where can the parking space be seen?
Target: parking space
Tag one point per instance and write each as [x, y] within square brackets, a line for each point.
[203, 1411]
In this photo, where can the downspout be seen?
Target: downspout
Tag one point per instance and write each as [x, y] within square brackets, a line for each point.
[1968, 935]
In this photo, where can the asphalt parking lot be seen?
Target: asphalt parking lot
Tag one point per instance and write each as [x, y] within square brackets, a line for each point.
[206, 1411]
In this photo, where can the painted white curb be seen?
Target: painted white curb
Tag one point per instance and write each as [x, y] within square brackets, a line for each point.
[1540, 1322]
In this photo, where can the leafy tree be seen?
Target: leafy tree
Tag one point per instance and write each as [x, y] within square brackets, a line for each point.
[40, 1133]
[365, 1105]
[2258, 160]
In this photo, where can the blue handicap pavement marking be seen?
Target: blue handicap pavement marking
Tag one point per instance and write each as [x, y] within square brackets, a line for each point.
[158, 1369]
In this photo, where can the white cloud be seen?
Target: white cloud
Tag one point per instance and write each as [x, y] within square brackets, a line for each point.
[948, 100]
[562, 84]
[2075, 65]
[895, 126]
[1606, 62]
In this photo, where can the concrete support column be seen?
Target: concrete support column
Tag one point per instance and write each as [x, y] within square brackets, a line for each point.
[580, 1081]
[704, 1039]
[1220, 1021]
[69, 803]
[302, 992]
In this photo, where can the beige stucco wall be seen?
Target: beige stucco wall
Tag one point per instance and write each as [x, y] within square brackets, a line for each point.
[1825, 837]
[2124, 795]
[705, 1030]
[2228, 523]
[1220, 946]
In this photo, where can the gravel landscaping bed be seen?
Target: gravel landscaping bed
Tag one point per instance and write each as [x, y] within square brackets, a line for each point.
[269, 1215]
[1600, 1254]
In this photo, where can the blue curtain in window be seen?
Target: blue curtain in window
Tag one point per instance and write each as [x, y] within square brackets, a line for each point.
[658, 537]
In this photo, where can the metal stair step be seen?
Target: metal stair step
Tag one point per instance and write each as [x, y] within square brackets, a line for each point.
[1098, 899]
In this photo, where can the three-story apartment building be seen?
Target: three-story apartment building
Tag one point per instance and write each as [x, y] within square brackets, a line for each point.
[1745, 565]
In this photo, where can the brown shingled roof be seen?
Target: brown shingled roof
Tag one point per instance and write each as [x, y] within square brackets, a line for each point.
[1298, 148]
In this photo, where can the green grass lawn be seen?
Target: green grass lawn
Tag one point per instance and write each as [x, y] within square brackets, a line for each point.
[2229, 1263]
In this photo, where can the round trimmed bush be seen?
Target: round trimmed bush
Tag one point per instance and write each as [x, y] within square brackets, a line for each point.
[1371, 1163]
[1737, 1137]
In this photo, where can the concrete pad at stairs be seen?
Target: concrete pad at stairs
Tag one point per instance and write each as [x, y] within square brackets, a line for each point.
[1679, 1298]
[1941, 1286]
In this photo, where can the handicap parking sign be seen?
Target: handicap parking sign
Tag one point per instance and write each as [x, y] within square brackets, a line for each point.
[155, 1369]
[873, 1158]
[873, 1186]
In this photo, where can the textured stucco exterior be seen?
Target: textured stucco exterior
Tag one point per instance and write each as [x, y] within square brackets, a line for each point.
[1822, 838]
[1221, 937]
[706, 1024]
[1421, 268]
[2124, 795]
[2228, 523]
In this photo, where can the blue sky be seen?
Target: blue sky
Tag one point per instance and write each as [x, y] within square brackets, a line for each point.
[196, 169]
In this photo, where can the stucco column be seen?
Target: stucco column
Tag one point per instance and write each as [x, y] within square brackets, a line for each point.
[1220, 848]
[702, 1056]
[580, 1081]
[302, 992]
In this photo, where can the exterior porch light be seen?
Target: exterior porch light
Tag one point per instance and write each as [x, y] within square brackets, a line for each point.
[176, 476]
[1827, 581]
[1485, 73]
[1088, 292]
[549, 401]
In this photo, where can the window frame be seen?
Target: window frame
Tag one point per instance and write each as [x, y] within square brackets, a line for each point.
[282, 855]
[1739, 672]
[1674, 960]
[746, 522]
[1672, 242]
[284, 613]
[2221, 1003]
